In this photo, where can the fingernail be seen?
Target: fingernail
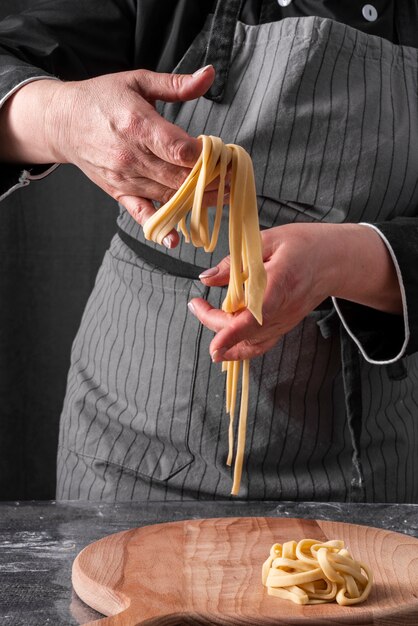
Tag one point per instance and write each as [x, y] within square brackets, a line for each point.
[217, 355]
[211, 271]
[167, 242]
[201, 70]
[191, 308]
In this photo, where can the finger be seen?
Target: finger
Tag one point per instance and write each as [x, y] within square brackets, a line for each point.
[141, 209]
[168, 141]
[169, 175]
[209, 316]
[215, 183]
[246, 350]
[155, 168]
[154, 191]
[149, 187]
[140, 164]
[174, 87]
[242, 327]
[217, 276]
[165, 140]
[210, 198]
[237, 334]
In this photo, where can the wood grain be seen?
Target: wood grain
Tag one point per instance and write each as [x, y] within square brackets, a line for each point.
[205, 572]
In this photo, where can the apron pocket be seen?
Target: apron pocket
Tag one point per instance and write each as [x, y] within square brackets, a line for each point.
[136, 371]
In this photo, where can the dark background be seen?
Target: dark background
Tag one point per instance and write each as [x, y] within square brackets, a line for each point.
[52, 238]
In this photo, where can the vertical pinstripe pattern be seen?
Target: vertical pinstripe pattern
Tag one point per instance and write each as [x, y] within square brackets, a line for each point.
[327, 113]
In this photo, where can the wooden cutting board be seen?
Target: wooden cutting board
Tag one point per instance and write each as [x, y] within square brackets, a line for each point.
[205, 572]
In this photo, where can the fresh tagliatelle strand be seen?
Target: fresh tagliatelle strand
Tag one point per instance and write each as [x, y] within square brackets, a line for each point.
[247, 279]
[314, 572]
[242, 429]
[233, 369]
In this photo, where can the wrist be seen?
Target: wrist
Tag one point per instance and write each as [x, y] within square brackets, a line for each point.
[27, 126]
[58, 121]
[366, 272]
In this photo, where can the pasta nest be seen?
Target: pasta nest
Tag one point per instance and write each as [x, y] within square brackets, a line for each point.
[312, 572]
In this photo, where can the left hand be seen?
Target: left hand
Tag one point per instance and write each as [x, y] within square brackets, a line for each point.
[305, 263]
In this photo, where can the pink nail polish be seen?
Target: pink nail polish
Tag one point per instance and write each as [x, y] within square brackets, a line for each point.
[191, 308]
[167, 242]
[201, 70]
[217, 355]
[212, 271]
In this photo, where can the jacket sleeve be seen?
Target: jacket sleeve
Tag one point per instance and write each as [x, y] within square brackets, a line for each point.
[383, 338]
[61, 39]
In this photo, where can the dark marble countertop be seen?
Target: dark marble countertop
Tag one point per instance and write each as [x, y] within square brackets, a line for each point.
[39, 540]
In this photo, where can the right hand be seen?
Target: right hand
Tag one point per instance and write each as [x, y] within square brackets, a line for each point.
[109, 128]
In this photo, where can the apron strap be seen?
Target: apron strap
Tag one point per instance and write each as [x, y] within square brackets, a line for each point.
[351, 374]
[221, 38]
[161, 260]
[354, 408]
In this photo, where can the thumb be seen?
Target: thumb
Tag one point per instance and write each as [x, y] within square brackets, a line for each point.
[173, 87]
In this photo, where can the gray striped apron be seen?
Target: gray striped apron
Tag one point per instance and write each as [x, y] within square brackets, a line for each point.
[326, 113]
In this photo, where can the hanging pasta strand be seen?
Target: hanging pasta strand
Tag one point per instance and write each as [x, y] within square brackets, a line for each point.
[242, 429]
[233, 368]
[247, 279]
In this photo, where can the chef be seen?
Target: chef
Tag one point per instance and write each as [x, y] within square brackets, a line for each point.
[323, 95]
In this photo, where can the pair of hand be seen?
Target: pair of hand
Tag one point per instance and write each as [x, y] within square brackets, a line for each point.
[118, 139]
[109, 128]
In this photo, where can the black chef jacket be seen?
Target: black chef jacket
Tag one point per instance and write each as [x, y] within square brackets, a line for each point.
[78, 39]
